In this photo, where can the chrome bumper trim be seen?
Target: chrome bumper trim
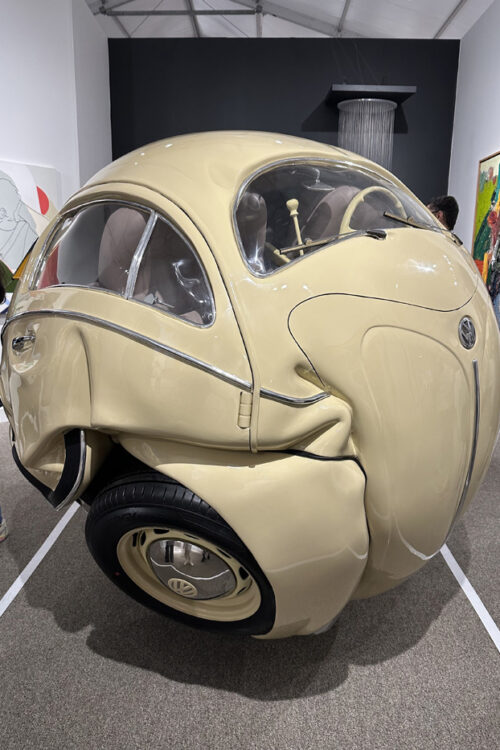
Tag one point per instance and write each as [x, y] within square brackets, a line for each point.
[292, 400]
[170, 352]
[139, 338]
[475, 433]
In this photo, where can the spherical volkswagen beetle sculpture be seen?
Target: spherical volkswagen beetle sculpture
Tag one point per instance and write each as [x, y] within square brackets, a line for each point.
[264, 368]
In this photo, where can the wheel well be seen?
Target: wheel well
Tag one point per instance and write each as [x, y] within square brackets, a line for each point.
[118, 464]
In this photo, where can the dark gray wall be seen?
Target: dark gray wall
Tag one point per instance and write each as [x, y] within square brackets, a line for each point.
[165, 87]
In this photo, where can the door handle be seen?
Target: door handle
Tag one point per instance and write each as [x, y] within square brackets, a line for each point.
[21, 343]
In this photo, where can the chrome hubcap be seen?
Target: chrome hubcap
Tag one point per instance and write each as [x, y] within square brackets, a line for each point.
[188, 573]
[189, 570]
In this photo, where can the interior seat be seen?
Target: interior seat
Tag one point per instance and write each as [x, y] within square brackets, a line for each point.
[326, 217]
[251, 216]
[119, 241]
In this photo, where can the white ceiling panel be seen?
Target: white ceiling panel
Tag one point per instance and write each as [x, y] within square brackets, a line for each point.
[466, 18]
[401, 19]
[398, 19]
[142, 26]
[272, 26]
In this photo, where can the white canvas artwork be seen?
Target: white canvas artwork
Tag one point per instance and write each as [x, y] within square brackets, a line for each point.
[29, 198]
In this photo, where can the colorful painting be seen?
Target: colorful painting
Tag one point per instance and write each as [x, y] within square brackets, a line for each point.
[29, 195]
[486, 239]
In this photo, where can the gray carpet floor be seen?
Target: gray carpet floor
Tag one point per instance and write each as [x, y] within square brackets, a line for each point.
[83, 666]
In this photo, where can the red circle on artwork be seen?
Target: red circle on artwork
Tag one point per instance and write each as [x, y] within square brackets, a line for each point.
[43, 200]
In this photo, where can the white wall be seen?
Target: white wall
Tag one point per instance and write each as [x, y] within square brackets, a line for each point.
[50, 53]
[92, 91]
[476, 131]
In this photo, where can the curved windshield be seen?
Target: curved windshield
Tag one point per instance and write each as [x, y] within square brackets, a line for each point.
[293, 209]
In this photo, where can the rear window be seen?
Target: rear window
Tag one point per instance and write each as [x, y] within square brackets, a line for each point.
[170, 276]
[132, 252]
[292, 209]
[94, 247]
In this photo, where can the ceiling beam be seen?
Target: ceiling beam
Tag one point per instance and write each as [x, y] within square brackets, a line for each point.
[340, 27]
[114, 13]
[258, 19]
[292, 16]
[96, 6]
[255, 7]
[122, 27]
[450, 18]
[194, 20]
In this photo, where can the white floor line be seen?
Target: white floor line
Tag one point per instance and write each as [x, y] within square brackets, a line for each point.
[33, 564]
[472, 596]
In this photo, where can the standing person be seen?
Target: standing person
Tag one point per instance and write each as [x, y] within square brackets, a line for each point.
[3, 525]
[445, 209]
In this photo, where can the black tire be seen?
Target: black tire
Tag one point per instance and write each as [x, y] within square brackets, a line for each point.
[129, 511]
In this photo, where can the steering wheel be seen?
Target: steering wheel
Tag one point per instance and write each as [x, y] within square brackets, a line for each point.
[345, 225]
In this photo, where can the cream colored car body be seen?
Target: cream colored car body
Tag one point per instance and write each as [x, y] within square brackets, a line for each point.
[352, 351]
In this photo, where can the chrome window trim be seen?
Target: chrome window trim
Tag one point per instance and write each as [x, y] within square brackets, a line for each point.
[475, 436]
[171, 352]
[139, 252]
[308, 161]
[154, 216]
[116, 295]
[65, 214]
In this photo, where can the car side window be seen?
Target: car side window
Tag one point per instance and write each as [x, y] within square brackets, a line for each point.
[94, 248]
[171, 277]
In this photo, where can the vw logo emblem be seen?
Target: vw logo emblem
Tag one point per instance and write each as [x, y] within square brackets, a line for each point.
[467, 332]
[182, 587]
